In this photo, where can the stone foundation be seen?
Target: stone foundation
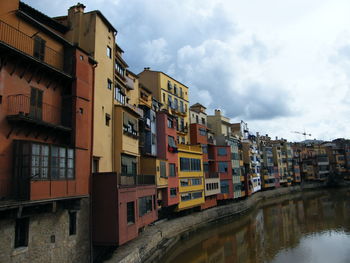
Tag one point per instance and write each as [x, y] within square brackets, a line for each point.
[48, 238]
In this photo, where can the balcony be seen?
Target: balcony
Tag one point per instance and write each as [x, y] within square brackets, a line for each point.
[20, 110]
[136, 179]
[213, 175]
[33, 46]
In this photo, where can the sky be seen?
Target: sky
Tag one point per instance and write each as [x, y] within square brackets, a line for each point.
[281, 66]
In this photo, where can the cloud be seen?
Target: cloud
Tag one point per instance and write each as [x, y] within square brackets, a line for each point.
[278, 66]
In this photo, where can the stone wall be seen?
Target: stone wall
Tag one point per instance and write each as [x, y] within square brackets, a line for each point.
[49, 239]
[156, 240]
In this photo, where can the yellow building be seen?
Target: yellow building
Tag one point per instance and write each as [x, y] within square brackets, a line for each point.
[191, 176]
[174, 97]
[92, 32]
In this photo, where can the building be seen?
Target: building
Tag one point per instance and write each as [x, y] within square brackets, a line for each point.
[174, 97]
[46, 95]
[199, 136]
[191, 179]
[116, 152]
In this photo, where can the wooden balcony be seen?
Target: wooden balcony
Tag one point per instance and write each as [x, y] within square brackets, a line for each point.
[32, 46]
[45, 116]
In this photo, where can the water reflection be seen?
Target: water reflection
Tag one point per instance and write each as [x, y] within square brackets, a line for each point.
[308, 229]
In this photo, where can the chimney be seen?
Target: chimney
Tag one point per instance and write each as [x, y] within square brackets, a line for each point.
[276, 138]
[78, 8]
[217, 112]
[147, 68]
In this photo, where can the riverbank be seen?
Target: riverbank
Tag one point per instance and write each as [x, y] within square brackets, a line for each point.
[156, 240]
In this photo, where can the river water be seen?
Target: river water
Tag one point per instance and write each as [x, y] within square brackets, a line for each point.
[312, 227]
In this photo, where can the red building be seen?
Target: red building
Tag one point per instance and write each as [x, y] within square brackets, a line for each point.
[220, 163]
[46, 89]
[122, 206]
[167, 150]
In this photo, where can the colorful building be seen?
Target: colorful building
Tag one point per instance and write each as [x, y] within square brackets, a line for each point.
[46, 97]
[191, 177]
[174, 97]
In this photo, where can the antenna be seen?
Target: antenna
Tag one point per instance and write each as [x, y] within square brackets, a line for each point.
[302, 133]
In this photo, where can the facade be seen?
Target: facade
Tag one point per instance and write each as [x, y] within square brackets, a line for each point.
[46, 97]
[167, 153]
[174, 97]
[199, 136]
[191, 179]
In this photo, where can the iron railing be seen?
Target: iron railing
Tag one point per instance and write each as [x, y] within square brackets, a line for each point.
[19, 104]
[25, 43]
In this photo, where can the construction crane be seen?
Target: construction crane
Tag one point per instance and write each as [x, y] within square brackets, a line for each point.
[302, 133]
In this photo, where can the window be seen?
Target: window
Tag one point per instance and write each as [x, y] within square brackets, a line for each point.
[197, 121]
[173, 192]
[176, 105]
[202, 132]
[181, 94]
[95, 164]
[39, 48]
[36, 103]
[108, 118]
[187, 164]
[130, 212]
[203, 121]
[170, 101]
[119, 94]
[182, 106]
[186, 197]
[223, 167]
[222, 151]
[183, 140]
[163, 97]
[129, 165]
[72, 223]
[206, 167]
[196, 181]
[172, 169]
[184, 182]
[169, 85]
[119, 69]
[204, 148]
[154, 139]
[145, 205]
[163, 169]
[224, 186]
[21, 232]
[197, 195]
[170, 123]
[109, 84]
[171, 141]
[109, 52]
[130, 125]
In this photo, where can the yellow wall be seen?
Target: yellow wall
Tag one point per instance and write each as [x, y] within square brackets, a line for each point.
[123, 144]
[157, 82]
[151, 166]
[90, 33]
[191, 151]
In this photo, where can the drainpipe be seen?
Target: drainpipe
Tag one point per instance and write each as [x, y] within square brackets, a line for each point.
[91, 157]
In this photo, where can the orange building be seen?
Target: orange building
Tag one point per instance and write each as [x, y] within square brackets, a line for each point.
[46, 89]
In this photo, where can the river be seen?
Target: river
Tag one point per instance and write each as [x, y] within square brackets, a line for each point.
[313, 227]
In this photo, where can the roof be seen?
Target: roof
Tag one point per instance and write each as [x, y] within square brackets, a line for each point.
[198, 105]
[155, 71]
[42, 18]
[104, 19]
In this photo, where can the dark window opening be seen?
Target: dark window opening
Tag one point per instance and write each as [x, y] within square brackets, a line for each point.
[109, 84]
[72, 223]
[130, 211]
[21, 232]
[39, 48]
[108, 118]
[36, 103]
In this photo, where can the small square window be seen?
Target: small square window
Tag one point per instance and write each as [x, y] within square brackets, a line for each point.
[81, 57]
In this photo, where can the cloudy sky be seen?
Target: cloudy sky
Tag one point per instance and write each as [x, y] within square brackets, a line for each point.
[281, 66]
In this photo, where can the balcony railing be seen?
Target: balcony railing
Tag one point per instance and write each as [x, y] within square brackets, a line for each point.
[19, 104]
[136, 179]
[26, 44]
